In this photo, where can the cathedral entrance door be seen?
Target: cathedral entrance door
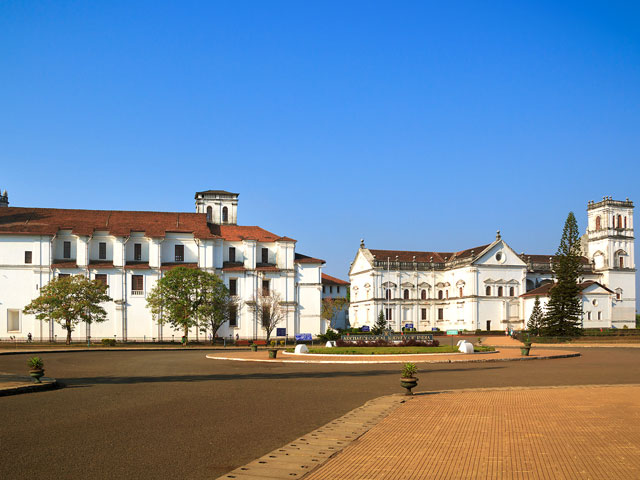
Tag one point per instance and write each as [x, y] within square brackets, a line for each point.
[488, 325]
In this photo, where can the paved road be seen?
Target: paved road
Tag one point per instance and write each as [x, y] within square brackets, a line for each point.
[177, 414]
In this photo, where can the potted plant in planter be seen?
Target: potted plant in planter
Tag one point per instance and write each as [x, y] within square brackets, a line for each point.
[408, 379]
[273, 351]
[254, 347]
[526, 347]
[36, 368]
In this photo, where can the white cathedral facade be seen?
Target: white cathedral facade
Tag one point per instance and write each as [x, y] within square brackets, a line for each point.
[491, 287]
[131, 250]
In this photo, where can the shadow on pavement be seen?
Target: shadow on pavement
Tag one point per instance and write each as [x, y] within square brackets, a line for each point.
[87, 381]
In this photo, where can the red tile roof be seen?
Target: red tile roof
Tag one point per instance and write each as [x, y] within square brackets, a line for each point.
[64, 264]
[234, 268]
[234, 233]
[543, 290]
[100, 264]
[424, 257]
[137, 265]
[526, 257]
[47, 221]
[329, 280]
[172, 265]
[300, 258]
[267, 268]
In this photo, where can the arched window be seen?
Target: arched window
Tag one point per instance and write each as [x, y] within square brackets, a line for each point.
[598, 224]
[209, 214]
[625, 222]
[621, 262]
[423, 295]
[387, 294]
[439, 294]
[461, 292]
[512, 292]
[499, 291]
[225, 214]
[405, 294]
[619, 221]
[488, 291]
[447, 293]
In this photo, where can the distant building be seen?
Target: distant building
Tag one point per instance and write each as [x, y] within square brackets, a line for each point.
[131, 250]
[491, 287]
[333, 287]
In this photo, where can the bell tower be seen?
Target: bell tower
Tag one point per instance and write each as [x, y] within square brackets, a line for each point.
[610, 247]
[220, 206]
[610, 241]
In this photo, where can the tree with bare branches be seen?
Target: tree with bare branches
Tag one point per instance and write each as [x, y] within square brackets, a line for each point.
[268, 306]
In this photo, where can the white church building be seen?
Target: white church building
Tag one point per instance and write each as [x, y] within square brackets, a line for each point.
[131, 250]
[491, 287]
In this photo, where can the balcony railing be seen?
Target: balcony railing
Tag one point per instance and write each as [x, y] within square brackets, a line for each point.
[137, 293]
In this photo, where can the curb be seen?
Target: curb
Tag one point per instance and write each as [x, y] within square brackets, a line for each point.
[140, 349]
[349, 362]
[51, 384]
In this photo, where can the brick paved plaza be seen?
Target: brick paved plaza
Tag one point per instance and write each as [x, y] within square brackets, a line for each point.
[541, 433]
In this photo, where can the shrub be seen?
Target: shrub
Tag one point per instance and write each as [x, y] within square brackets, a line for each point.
[409, 370]
[383, 343]
[109, 342]
[330, 335]
[35, 363]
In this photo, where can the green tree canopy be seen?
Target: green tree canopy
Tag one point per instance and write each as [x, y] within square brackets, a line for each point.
[69, 301]
[535, 320]
[563, 316]
[188, 297]
[380, 325]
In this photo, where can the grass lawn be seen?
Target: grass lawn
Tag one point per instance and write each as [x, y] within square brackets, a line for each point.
[389, 350]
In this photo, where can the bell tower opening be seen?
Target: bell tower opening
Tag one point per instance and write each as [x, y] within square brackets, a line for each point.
[220, 206]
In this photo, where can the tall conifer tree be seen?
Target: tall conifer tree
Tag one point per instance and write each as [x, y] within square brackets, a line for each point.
[563, 315]
[536, 318]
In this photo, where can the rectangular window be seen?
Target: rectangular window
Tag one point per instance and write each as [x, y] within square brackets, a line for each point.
[28, 257]
[324, 289]
[330, 289]
[265, 255]
[424, 314]
[232, 254]
[63, 275]
[179, 253]
[599, 315]
[388, 313]
[102, 277]
[137, 284]
[441, 314]
[137, 251]
[338, 289]
[102, 251]
[13, 320]
[233, 286]
[233, 317]
[265, 287]
[588, 315]
[66, 246]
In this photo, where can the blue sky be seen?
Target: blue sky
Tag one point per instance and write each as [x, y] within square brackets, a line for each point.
[418, 126]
